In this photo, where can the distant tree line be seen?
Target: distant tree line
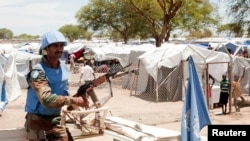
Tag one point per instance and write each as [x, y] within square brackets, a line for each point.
[8, 34]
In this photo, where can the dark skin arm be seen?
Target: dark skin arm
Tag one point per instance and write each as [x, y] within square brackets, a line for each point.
[212, 78]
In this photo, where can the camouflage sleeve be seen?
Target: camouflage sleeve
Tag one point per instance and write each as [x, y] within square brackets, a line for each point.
[40, 84]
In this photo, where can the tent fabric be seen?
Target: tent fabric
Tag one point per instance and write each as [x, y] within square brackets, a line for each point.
[238, 63]
[23, 62]
[232, 47]
[3, 100]
[13, 69]
[6, 48]
[13, 90]
[170, 55]
[142, 77]
[114, 51]
[74, 47]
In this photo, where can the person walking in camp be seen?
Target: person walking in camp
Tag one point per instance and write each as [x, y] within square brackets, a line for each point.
[103, 68]
[87, 73]
[72, 61]
[48, 92]
[237, 93]
[224, 93]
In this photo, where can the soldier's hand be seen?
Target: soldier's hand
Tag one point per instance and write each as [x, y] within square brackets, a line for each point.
[81, 101]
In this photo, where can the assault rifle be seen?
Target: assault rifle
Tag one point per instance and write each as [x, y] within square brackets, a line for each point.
[88, 87]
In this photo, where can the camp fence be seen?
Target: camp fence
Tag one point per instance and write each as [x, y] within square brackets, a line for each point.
[167, 88]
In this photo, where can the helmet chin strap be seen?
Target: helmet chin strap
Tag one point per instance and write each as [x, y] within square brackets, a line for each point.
[44, 52]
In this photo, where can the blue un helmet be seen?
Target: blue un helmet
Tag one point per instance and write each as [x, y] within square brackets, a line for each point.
[52, 37]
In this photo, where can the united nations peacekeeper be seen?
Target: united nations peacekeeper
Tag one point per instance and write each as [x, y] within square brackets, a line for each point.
[48, 92]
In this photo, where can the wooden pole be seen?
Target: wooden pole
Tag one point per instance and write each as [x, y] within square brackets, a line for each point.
[230, 82]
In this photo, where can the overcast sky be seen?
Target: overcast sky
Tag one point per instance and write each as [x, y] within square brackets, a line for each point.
[38, 16]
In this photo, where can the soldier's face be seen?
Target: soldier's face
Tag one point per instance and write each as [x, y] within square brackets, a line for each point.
[55, 50]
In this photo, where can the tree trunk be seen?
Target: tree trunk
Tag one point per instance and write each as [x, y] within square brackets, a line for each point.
[125, 39]
[167, 36]
[158, 42]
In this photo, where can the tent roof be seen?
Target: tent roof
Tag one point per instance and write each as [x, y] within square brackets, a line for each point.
[171, 55]
[113, 51]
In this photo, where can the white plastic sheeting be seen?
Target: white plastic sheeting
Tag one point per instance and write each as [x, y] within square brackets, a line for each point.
[12, 87]
[171, 55]
[120, 52]
[74, 47]
[23, 62]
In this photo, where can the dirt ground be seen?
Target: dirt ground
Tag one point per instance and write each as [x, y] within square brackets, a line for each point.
[161, 114]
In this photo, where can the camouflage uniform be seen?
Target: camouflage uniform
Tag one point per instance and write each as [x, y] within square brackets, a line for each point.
[48, 92]
[38, 125]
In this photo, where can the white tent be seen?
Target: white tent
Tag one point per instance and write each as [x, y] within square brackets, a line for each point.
[113, 51]
[6, 48]
[172, 55]
[24, 62]
[74, 47]
[9, 76]
[14, 66]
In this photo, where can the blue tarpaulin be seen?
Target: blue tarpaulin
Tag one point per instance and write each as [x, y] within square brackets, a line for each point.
[3, 100]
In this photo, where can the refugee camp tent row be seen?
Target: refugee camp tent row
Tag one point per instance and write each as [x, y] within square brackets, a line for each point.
[81, 49]
[163, 71]
[233, 46]
[28, 47]
[172, 56]
[126, 54]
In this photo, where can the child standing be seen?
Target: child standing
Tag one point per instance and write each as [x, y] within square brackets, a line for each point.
[224, 93]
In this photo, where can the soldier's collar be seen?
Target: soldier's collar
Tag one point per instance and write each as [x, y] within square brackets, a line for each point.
[46, 63]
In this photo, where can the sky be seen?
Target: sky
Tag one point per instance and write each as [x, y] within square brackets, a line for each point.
[36, 17]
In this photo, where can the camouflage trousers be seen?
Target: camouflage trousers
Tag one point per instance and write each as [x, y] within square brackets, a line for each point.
[45, 128]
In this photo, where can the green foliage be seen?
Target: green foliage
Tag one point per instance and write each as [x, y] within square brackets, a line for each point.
[200, 33]
[196, 15]
[234, 28]
[5, 33]
[239, 10]
[146, 18]
[74, 32]
[26, 37]
[248, 30]
[157, 14]
[112, 16]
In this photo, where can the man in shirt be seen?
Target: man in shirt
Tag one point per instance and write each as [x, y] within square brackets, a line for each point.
[72, 61]
[87, 73]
